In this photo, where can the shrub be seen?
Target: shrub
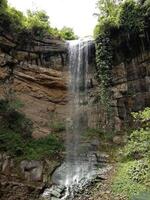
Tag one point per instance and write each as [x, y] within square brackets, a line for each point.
[24, 148]
[37, 22]
[44, 147]
[138, 145]
[14, 120]
[139, 140]
[140, 171]
[11, 142]
[3, 4]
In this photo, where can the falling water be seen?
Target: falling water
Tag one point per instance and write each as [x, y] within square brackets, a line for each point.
[79, 165]
[78, 60]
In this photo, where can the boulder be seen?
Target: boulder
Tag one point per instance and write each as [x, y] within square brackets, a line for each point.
[32, 170]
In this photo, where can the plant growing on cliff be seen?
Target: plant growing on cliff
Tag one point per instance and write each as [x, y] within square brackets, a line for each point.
[107, 19]
[117, 24]
[21, 148]
[104, 62]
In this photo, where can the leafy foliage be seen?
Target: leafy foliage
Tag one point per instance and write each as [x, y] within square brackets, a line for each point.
[22, 148]
[36, 24]
[140, 172]
[68, 33]
[104, 62]
[139, 141]
[139, 144]
[108, 16]
[131, 17]
[123, 183]
[3, 3]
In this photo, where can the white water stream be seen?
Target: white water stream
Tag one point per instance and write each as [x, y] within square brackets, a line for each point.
[79, 165]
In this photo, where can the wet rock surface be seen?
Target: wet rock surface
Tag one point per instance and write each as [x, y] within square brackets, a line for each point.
[78, 187]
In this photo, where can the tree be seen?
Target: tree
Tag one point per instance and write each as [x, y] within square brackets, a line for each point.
[3, 4]
[38, 22]
[68, 33]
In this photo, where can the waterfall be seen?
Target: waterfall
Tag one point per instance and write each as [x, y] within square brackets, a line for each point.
[78, 68]
[79, 165]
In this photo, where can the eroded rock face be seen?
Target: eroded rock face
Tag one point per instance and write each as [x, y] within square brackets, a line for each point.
[40, 79]
[37, 173]
[130, 88]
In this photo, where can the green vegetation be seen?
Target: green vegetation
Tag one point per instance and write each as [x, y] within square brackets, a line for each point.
[14, 120]
[16, 139]
[123, 184]
[119, 25]
[98, 133]
[133, 175]
[58, 126]
[35, 24]
[68, 33]
[28, 148]
[139, 141]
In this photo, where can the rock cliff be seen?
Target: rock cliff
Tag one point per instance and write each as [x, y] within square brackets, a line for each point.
[130, 77]
[36, 74]
[39, 78]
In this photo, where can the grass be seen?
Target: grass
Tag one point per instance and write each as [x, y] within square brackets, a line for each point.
[124, 185]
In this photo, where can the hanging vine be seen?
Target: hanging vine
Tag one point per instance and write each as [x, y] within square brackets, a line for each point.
[103, 67]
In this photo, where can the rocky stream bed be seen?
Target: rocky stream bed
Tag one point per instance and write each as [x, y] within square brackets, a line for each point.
[79, 189]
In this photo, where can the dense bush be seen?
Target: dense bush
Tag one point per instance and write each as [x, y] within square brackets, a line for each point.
[3, 4]
[131, 17]
[140, 171]
[139, 144]
[38, 23]
[139, 140]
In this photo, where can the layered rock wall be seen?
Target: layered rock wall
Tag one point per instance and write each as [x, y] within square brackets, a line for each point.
[131, 88]
[39, 79]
